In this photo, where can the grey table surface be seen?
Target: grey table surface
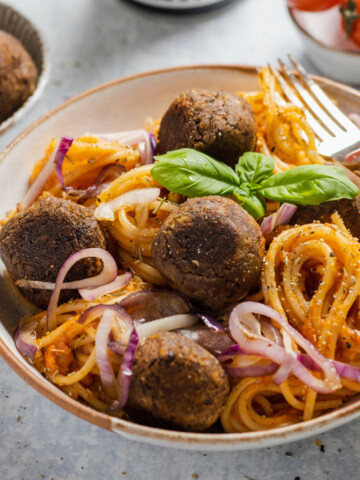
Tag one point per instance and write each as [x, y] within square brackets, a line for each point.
[90, 42]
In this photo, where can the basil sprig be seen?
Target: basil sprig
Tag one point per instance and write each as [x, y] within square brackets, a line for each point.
[194, 174]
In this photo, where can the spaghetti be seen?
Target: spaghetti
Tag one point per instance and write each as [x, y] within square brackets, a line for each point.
[311, 275]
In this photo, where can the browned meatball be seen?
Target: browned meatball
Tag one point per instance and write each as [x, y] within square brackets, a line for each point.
[349, 210]
[18, 75]
[36, 242]
[219, 124]
[211, 250]
[177, 381]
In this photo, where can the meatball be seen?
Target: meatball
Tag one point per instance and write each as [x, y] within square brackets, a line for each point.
[219, 124]
[177, 381]
[18, 75]
[211, 250]
[36, 242]
[349, 210]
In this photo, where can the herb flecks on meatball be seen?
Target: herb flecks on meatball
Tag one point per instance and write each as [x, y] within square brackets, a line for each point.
[211, 250]
[36, 242]
[176, 381]
[219, 124]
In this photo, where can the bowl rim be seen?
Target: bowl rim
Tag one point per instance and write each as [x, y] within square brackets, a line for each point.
[352, 53]
[43, 74]
[172, 438]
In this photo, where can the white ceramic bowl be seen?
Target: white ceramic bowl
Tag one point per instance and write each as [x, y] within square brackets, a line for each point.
[20, 27]
[326, 45]
[119, 105]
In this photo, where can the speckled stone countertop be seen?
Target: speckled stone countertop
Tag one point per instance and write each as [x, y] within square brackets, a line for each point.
[90, 42]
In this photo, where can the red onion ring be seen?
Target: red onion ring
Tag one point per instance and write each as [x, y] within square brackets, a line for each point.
[101, 357]
[125, 372]
[281, 217]
[230, 353]
[120, 282]
[271, 332]
[251, 370]
[106, 210]
[288, 364]
[116, 346]
[64, 145]
[252, 342]
[211, 323]
[107, 275]
[24, 338]
[92, 313]
[111, 171]
[344, 371]
[36, 187]
[153, 145]
[140, 138]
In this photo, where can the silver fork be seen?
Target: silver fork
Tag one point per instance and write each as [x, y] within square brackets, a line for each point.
[338, 137]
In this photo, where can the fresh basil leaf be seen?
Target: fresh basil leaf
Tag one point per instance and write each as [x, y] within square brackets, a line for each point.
[194, 174]
[309, 185]
[254, 204]
[254, 168]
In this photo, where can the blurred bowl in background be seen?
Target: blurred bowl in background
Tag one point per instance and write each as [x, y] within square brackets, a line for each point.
[21, 28]
[326, 44]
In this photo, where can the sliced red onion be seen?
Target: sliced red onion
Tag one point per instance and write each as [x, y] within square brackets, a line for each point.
[251, 370]
[125, 372]
[230, 353]
[152, 304]
[110, 172]
[97, 311]
[243, 329]
[120, 282]
[288, 364]
[211, 323]
[64, 145]
[106, 210]
[24, 338]
[140, 138]
[344, 370]
[281, 217]
[116, 346]
[165, 324]
[38, 184]
[107, 275]
[153, 145]
[77, 284]
[101, 356]
[271, 332]
[110, 315]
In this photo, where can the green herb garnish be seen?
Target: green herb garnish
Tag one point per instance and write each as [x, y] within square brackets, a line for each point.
[194, 174]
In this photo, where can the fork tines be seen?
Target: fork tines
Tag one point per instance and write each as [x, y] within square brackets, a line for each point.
[328, 122]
